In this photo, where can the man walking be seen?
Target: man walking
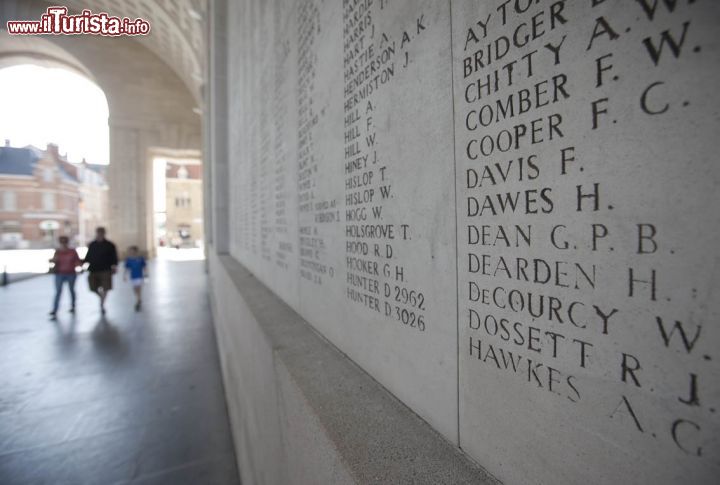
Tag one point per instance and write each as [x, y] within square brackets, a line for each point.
[102, 259]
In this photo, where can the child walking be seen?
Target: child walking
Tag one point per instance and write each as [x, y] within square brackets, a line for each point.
[137, 268]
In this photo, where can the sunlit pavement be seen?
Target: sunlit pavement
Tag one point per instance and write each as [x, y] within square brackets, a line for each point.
[182, 254]
[132, 398]
[28, 261]
[20, 264]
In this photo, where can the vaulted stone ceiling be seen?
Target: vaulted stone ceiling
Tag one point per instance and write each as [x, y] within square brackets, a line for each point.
[177, 33]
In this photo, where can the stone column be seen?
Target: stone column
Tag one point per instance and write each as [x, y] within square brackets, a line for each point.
[129, 200]
[218, 116]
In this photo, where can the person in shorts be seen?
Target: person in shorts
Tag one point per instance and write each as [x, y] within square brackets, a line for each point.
[65, 259]
[136, 267]
[102, 263]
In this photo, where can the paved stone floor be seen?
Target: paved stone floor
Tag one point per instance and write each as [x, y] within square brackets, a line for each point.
[131, 398]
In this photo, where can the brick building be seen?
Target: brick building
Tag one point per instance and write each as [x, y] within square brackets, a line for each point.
[43, 196]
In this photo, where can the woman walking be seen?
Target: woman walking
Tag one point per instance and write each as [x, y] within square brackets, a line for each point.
[66, 259]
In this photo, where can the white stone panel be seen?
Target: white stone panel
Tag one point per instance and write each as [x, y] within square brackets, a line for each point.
[342, 175]
[587, 223]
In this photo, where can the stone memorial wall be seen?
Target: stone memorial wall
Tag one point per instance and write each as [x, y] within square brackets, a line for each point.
[505, 211]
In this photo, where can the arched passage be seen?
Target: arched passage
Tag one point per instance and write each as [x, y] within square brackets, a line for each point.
[49, 99]
[150, 108]
[46, 104]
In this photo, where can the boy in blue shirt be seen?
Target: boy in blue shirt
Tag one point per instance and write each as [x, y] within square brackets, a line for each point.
[136, 266]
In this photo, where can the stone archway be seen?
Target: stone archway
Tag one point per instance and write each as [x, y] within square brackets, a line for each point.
[38, 51]
[150, 108]
[176, 157]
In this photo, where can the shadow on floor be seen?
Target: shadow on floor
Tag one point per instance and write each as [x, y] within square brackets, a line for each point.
[130, 397]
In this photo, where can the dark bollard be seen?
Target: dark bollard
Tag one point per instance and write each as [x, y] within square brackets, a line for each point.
[5, 280]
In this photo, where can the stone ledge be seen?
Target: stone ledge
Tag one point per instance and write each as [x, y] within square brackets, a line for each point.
[378, 438]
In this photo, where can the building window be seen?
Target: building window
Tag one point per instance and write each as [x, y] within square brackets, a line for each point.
[48, 201]
[9, 200]
[48, 175]
[183, 201]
